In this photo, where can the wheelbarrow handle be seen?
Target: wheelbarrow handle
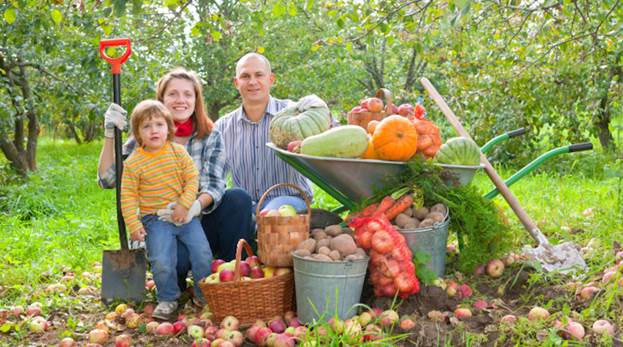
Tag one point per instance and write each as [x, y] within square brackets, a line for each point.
[116, 87]
[493, 175]
[516, 132]
[582, 146]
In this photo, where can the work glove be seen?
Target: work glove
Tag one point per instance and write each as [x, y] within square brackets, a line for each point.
[309, 101]
[166, 213]
[115, 116]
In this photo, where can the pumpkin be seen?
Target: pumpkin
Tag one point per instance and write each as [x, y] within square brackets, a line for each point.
[290, 124]
[395, 138]
[459, 151]
[370, 152]
[429, 140]
[372, 126]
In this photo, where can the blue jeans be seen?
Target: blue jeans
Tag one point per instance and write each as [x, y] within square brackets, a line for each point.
[228, 223]
[274, 203]
[162, 242]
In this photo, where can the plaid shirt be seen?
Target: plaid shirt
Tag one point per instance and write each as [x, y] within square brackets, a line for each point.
[254, 166]
[207, 154]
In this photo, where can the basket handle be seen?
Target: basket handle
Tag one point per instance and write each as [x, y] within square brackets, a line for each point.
[290, 185]
[384, 93]
[245, 244]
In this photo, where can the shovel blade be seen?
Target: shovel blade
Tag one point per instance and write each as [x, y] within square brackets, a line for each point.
[564, 257]
[123, 275]
[321, 218]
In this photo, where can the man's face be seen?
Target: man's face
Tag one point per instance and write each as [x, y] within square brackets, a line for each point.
[253, 81]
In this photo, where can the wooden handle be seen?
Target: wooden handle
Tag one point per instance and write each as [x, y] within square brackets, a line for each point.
[245, 244]
[387, 95]
[497, 180]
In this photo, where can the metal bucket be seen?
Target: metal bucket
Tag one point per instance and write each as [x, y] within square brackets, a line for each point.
[431, 241]
[324, 289]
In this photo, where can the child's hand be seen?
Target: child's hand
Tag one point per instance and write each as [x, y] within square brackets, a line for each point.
[179, 213]
[138, 235]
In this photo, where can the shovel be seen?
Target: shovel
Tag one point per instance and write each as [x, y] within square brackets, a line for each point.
[123, 271]
[562, 257]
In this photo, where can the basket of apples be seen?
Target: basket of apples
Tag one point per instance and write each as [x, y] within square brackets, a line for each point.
[372, 109]
[247, 289]
[280, 231]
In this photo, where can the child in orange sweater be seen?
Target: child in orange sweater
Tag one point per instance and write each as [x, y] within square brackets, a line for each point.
[160, 172]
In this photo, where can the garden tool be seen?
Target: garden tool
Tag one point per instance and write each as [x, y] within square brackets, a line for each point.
[562, 257]
[123, 271]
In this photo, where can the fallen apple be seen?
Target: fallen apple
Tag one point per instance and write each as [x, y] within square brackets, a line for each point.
[67, 342]
[195, 331]
[336, 324]
[123, 340]
[463, 313]
[509, 319]
[538, 313]
[33, 309]
[602, 326]
[150, 284]
[388, 318]
[151, 327]
[365, 318]
[575, 330]
[452, 288]
[38, 324]
[277, 325]
[98, 336]
[201, 342]
[262, 335]
[495, 268]
[230, 323]
[407, 322]
[587, 293]
[165, 329]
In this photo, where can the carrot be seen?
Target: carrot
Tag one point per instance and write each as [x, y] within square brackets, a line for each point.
[400, 206]
[368, 210]
[386, 203]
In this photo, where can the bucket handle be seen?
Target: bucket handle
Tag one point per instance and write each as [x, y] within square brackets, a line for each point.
[290, 185]
[384, 93]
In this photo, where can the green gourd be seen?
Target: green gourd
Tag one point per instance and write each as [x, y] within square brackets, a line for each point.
[459, 151]
[346, 141]
[290, 124]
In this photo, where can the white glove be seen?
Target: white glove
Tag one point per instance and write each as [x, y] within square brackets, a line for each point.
[309, 101]
[115, 116]
[166, 213]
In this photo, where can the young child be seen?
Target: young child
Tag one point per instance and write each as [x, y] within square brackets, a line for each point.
[157, 173]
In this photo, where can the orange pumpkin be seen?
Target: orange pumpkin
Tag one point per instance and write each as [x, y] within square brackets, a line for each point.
[429, 139]
[370, 153]
[395, 138]
[372, 126]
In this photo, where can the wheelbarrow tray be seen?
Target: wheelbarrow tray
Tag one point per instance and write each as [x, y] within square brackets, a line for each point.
[356, 179]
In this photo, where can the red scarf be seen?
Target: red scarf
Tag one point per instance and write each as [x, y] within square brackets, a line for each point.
[184, 129]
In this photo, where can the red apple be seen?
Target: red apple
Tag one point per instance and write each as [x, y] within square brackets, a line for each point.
[509, 319]
[165, 329]
[178, 326]
[67, 342]
[245, 269]
[364, 103]
[295, 322]
[215, 264]
[480, 304]
[463, 313]
[226, 275]
[495, 268]
[575, 330]
[465, 291]
[406, 110]
[277, 325]
[257, 272]
[262, 335]
[98, 336]
[33, 309]
[250, 333]
[587, 293]
[123, 340]
[253, 260]
[38, 324]
[407, 322]
[388, 318]
[375, 105]
[294, 146]
[358, 109]
[150, 284]
[420, 111]
[602, 326]
[201, 342]
[452, 288]
[538, 313]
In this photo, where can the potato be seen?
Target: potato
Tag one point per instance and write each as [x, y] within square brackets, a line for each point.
[420, 213]
[354, 257]
[333, 230]
[335, 255]
[435, 216]
[408, 212]
[322, 243]
[302, 252]
[441, 208]
[316, 230]
[426, 223]
[319, 235]
[309, 245]
[324, 250]
[344, 244]
[361, 252]
[412, 224]
[322, 257]
[402, 219]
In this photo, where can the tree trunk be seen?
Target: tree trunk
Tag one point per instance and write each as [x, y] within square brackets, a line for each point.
[603, 121]
[74, 133]
[17, 159]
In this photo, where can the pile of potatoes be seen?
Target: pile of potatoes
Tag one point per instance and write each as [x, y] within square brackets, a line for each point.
[423, 217]
[332, 243]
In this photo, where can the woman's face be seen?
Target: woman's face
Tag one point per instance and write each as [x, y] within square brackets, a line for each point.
[179, 98]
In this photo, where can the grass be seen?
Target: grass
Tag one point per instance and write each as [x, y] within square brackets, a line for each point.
[59, 219]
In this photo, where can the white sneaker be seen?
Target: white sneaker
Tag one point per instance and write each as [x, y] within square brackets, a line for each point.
[165, 310]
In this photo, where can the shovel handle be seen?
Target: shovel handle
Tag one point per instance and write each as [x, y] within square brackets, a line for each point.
[497, 180]
[116, 62]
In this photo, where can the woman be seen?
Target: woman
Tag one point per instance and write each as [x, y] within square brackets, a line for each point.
[226, 217]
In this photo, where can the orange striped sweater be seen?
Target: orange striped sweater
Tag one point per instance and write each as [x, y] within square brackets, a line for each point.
[151, 181]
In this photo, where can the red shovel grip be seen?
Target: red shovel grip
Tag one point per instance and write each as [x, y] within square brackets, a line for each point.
[116, 62]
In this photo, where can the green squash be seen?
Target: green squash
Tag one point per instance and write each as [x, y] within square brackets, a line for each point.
[459, 151]
[290, 124]
[346, 141]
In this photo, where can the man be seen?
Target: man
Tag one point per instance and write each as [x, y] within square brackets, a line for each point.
[254, 166]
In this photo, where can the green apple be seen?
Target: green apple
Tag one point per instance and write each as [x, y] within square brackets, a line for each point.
[287, 210]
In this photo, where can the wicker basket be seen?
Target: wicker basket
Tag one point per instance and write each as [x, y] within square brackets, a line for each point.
[249, 300]
[363, 118]
[278, 236]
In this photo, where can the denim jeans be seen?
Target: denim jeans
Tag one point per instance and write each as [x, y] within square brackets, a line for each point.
[162, 246]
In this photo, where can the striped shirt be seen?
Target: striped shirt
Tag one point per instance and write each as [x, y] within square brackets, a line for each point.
[254, 166]
[208, 154]
[151, 181]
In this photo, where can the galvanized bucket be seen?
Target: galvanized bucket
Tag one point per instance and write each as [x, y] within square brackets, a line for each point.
[324, 289]
[432, 241]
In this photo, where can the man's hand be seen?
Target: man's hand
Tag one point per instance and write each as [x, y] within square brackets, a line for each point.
[138, 235]
[166, 214]
[309, 101]
[115, 117]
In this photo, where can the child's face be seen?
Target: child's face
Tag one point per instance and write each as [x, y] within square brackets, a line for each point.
[153, 133]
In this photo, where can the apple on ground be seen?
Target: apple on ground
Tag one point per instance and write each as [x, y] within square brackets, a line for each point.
[463, 313]
[388, 318]
[277, 325]
[195, 331]
[603, 326]
[495, 268]
[98, 336]
[165, 329]
[509, 319]
[201, 342]
[67, 342]
[123, 340]
[230, 323]
[538, 313]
